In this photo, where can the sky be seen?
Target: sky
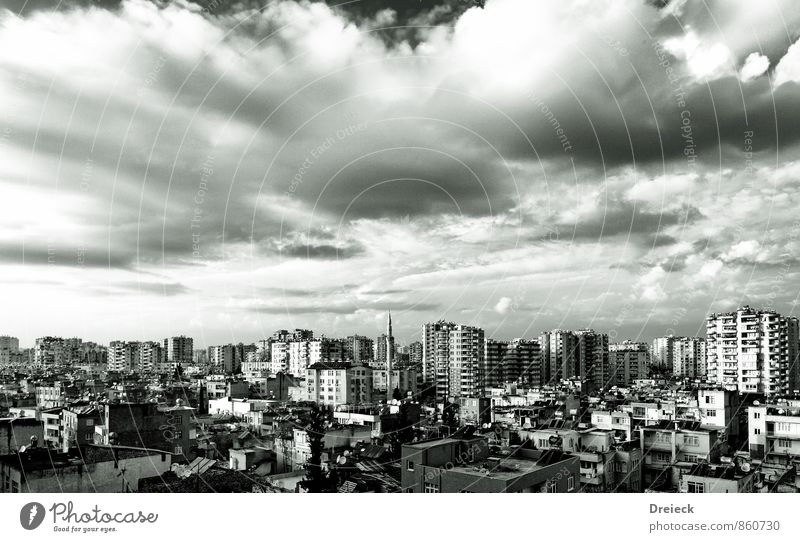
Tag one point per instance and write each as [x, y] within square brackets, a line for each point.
[226, 169]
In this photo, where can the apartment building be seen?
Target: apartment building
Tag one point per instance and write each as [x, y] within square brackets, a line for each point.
[628, 361]
[122, 355]
[689, 357]
[338, 383]
[464, 465]
[593, 359]
[753, 351]
[774, 432]
[178, 351]
[560, 355]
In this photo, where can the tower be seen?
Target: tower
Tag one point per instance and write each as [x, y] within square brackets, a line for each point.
[389, 357]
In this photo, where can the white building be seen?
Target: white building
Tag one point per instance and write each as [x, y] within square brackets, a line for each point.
[754, 351]
[122, 355]
[337, 383]
[689, 357]
[279, 357]
[178, 351]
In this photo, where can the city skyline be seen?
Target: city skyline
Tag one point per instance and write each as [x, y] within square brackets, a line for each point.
[225, 171]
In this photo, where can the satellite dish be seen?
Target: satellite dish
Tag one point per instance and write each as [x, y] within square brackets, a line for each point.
[745, 467]
[756, 403]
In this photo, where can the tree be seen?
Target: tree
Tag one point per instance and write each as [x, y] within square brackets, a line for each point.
[316, 480]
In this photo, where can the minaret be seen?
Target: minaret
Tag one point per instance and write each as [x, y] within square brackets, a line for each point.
[389, 356]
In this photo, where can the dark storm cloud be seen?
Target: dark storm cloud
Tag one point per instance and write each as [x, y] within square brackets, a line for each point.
[321, 252]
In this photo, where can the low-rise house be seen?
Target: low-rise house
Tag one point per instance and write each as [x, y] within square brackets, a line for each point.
[706, 478]
[17, 432]
[91, 469]
[53, 429]
[670, 447]
[465, 465]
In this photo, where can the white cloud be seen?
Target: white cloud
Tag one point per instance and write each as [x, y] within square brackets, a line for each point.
[755, 65]
[788, 68]
[503, 305]
[704, 60]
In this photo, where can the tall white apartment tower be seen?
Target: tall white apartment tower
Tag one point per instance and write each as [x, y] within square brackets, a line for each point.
[467, 353]
[753, 351]
[689, 357]
[389, 357]
[434, 348]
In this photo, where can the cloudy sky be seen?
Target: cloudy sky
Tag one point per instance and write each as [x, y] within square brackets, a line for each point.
[226, 169]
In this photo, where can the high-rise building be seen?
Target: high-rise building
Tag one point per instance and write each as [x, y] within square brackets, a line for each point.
[337, 383]
[415, 355]
[592, 356]
[92, 354]
[466, 357]
[454, 357]
[523, 362]
[628, 361]
[434, 349]
[150, 357]
[279, 357]
[753, 351]
[299, 357]
[264, 350]
[560, 355]
[689, 357]
[122, 356]
[390, 385]
[518, 361]
[359, 349]
[222, 356]
[9, 349]
[662, 353]
[49, 351]
[493, 371]
[178, 351]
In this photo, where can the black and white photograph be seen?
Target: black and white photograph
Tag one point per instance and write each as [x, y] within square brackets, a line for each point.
[274, 247]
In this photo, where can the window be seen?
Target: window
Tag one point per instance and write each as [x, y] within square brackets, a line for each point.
[757, 431]
[571, 483]
[662, 457]
[711, 412]
[550, 487]
[784, 443]
[756, 415]
[695, 487]
[431, 488]
[89, 422]
[410, 466]
[691, 440]
[709, 400]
